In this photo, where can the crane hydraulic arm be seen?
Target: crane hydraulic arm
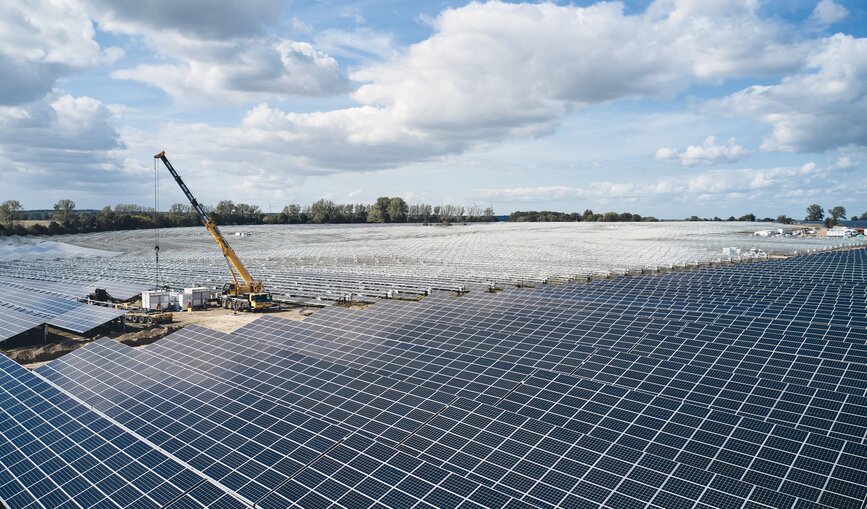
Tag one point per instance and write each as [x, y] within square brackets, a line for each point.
[247, 284]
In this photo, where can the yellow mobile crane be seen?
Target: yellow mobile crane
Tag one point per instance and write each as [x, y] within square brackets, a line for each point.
[247, 294]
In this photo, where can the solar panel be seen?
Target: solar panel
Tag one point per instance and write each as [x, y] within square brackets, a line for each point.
[833, 413]
[56, 310]
[143, 401]
[85, 317]
[14, 322]
[245, 442]
[178, 344]
[741, 386]
[56, 453]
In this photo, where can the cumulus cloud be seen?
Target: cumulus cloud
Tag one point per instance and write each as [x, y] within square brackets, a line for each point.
[494, 71]
[515, 69]
[844, 163]
[820, 109]
[60, 142]
[740, 184]
[708, 152]
[241, 70]
[220, 52]
[41, 42]
[203, 19]
[828, 12]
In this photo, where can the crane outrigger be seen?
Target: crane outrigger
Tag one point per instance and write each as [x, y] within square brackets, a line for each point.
[244, 292]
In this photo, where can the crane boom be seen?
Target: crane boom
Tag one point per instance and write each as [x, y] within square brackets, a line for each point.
[247, 283]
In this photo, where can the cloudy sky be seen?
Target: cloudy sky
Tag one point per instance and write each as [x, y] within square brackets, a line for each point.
[665, 107]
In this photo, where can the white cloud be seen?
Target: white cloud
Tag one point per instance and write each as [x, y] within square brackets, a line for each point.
[241, 70]
[706, 153]
[200, 19]
[813, 111]
[361, 44]
[496, 71]
[767, 183]
[844, 163]
[827, 12]
[220, 52]
[60, 142]
[41, 42]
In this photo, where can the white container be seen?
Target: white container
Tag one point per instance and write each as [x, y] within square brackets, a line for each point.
[155, 300]
[194, 298]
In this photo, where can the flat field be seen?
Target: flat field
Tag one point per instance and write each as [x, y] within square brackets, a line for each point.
[333, 261]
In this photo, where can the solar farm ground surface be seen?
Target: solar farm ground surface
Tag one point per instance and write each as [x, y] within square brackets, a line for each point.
[370, 261]
[740, 386]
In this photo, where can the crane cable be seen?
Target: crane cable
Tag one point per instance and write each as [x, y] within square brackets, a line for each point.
[156, 222]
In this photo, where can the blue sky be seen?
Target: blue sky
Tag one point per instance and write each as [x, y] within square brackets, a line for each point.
[667, 107]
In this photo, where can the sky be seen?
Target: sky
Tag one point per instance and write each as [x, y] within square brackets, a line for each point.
[667, 107]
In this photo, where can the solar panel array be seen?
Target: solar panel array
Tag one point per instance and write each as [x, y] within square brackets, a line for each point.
[739, 386]
[371, 261]
[26, 303]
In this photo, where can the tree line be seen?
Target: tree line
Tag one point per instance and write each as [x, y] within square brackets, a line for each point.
[531, 216]
[815, 212]
[65, 218]
[384, 210]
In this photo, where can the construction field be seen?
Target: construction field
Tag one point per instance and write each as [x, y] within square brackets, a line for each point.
[365, 262]
[733, 386]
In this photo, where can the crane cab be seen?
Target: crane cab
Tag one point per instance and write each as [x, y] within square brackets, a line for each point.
[233, 297]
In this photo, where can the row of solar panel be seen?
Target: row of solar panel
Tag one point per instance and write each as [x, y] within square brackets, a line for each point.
[26, 304]
[476, 402]
[328, 411]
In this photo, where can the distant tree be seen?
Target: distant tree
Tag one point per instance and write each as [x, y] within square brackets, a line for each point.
[55, 228]
[488, 214]
[378, 212]
[64, 212]
[323, 211]
[747, 217]
[474, 212]
[693, 218]
[10, 212]
[815, 212]
[225, 211]
[731, 218]
[587, 215]
[247, 214]
[359, 213]
[853, 218]
[132, 208]
[863, 217]
[830, 222]
[838, 212]
[397, 210]
[292, 213]
[784, 219]
[39, 229]
[717, 218]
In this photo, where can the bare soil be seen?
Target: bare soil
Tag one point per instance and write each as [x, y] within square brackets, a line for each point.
[32, 351]
[31, 222]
